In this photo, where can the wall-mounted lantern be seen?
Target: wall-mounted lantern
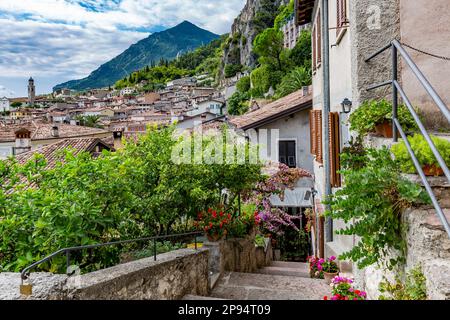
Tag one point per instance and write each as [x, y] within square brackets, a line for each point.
[346, 106]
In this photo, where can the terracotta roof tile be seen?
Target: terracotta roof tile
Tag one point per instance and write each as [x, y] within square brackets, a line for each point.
[53, 154]
[281, 106]
[43, 131]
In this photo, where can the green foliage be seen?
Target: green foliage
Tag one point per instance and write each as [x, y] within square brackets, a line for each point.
[232, 69]
[237, 104]
[294, 245]
[261, 80]
[294, 81]
[265, 17]
[286, 12]
[89, 121]
[135, 192]
[374, 112]
[422, 151]
[371, 203]
[260, 241]
[269, 46]
[243, 85]
[16, 104]
[414, 287]
[300, 55]
[203, 60]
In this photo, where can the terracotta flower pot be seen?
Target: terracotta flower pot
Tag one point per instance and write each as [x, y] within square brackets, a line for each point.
[328, 277]
[385, 129]
[432, 170]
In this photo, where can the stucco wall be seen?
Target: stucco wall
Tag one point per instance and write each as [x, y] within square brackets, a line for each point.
[295, 127]
[425, 25]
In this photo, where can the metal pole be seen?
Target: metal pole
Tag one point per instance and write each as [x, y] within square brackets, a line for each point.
[195, 242]
[326, 113]
[394, 92]
[154, 249]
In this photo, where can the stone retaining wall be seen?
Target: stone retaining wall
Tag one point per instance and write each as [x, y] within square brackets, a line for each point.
[237, 255]
[172, 276]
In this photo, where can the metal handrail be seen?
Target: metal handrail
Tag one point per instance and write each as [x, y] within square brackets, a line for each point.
[26, 272]
[396, 48]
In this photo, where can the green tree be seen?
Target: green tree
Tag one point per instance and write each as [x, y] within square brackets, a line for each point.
[16, 104]
[269, 45]
[294, 81]
[238, 103]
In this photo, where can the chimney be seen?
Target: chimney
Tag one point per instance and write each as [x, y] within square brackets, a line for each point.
[55, 132]
[305, 90]
[22, 141]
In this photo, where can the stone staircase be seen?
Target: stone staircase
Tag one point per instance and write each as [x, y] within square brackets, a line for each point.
[280, 281]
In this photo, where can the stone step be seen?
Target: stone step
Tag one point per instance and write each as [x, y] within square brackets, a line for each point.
[284, 271]
[288, 264]
[249, 286]
[194, 297]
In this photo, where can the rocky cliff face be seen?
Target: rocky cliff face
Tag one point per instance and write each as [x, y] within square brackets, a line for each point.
[245, 29]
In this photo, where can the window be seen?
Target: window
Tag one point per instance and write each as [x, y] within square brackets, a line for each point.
[317, 42]
[287, 153]
[341, 17]
[315, 125]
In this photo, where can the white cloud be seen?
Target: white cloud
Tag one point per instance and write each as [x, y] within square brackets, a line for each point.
[71, 38]
[5, 92]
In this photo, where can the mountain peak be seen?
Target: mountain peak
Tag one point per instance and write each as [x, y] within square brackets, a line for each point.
[167, 44]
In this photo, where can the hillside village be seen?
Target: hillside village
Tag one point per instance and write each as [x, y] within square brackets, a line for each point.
[355, 120]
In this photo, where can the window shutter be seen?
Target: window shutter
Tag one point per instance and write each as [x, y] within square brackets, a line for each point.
[319, 141]
[341, 15]
[319, 39]
[312, 128]
[334, 142]
[314, 49]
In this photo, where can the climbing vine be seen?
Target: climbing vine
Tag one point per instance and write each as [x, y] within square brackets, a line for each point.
[371, 203]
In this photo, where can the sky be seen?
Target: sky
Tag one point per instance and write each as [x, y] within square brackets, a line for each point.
[59, 40]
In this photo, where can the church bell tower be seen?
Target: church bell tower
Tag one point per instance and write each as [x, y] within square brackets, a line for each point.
[31, 92]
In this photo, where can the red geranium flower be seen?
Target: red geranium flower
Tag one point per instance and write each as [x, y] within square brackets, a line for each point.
[325, 298]
[221, 213]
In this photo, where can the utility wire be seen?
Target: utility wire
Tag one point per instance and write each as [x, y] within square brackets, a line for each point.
[426, 53]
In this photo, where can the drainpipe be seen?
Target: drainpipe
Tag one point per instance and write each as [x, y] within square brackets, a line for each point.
[326, 112]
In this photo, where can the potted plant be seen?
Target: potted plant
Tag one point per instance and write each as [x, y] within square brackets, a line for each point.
[214, 223]
[342, 289]
[375, 116]
[314, 271]
[329, 267]
[424, 155]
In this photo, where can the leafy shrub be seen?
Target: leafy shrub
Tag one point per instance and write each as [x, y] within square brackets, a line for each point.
[374, 112]
[422, 151]
[301, 55]
[371, 203]
[413, 289]
[237, 104]
[294, 81]
[243, 85]
[232, 69]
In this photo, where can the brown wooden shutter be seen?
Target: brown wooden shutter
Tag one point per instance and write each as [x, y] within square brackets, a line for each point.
[319, 39]
[334, 142]
[319, 146]
[341, 15]
[314, 48]
[312, 128]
